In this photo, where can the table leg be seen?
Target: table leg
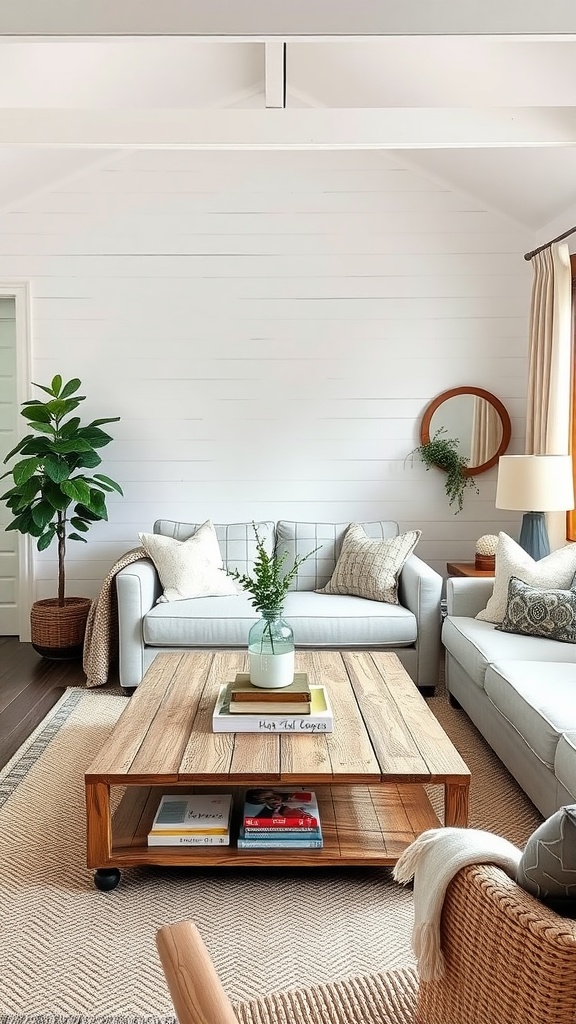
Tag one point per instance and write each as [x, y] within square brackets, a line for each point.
[98, 825]
[456, 804]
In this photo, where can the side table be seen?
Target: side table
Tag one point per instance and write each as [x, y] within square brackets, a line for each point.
[467, 569]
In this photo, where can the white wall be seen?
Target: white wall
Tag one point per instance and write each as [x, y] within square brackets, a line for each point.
[270, 327]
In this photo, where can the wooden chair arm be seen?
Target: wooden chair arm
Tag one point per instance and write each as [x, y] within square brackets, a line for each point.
[195, 988]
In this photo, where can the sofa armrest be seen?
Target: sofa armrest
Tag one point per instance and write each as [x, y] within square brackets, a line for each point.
[468, 595]
[137, 586]
[420, 590]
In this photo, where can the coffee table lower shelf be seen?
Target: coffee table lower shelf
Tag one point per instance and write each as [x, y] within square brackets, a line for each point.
[361, 825]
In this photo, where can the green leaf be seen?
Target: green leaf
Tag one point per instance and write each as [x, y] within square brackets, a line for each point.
[28, 490]
[77, 490]
[70, 427]
[97, 438]
[97, 504]
[42, 388]
[37, 412]
[75, 536]
[55, 468]
[87, 460]
[79, 524]
[45, 428]
[22, 471]
[85, 513]
[54, 494]
[45, 540]
[67, 447]
[61, 407]
[70, 387]
[56, 384]
[111, 484]
[19, 446]
[42, 514]
[107, 419]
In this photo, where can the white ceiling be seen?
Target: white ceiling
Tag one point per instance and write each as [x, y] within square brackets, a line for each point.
[530, 176]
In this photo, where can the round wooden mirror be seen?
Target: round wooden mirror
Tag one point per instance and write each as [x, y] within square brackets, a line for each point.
[479, 421]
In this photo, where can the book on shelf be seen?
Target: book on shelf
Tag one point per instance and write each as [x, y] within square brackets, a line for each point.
[318, 720]
[277, 807]
[303, 831]
[199, 814]
[285, 843]
[271, 708]
[190, 839]
[242, 691]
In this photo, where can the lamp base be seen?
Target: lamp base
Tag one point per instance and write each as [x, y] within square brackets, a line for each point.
[534, 535]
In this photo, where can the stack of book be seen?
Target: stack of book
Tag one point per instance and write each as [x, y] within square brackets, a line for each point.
[198, 820]
[280, 819]
[297, 708]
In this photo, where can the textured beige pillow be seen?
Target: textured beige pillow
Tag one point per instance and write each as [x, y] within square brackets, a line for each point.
[370, 568]
[555, 571]
[189, 568]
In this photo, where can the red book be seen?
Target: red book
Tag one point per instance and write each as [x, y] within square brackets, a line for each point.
[270, 807]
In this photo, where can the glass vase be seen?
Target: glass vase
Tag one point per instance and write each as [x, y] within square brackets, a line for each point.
[271, 651]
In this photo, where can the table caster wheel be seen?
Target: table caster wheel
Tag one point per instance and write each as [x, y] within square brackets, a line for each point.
[106, 879]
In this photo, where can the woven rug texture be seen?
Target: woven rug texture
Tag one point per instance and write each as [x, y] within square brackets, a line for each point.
[69, 952]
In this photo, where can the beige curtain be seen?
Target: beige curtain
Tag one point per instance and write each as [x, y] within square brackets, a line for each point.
[549, 357]
[486, 432]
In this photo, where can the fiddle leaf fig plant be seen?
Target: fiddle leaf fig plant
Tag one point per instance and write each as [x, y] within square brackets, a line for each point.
[52, 494]
[443, 453]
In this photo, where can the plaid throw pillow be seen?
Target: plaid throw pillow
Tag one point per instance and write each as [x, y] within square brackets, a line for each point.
[370, 568]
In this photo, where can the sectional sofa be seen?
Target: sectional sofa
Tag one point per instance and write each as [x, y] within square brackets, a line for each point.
[520, 692]
[411, 628]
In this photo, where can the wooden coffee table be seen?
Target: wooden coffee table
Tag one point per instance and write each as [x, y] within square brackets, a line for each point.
[368, 774]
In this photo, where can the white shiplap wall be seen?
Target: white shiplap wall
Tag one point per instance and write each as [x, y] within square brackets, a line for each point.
[270, 327]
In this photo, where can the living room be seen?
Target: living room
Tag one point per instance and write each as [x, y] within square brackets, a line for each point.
[267, 251]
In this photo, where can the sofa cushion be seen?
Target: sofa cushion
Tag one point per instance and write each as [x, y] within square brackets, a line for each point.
[318, 620]
[370, 568]
[237, 540]
[535, 612]
[556, 570]
[188, 568]
[565, 761]
[298, 539]
[547, 866]
[475, 645]
[539, 711]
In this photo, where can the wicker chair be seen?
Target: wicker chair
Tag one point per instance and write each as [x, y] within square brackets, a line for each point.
[509, 960]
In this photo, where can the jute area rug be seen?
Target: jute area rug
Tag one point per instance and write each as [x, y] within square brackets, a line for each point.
[69, 952]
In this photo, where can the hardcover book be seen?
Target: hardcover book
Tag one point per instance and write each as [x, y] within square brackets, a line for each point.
[243, 691]
[319, 720]
[270, 707]
[191, 839]
[206, 814]
[273, 807]
[285, 843]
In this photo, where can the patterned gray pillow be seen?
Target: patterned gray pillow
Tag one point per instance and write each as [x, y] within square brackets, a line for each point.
[547, 613]
[370, 568]
[547, 867]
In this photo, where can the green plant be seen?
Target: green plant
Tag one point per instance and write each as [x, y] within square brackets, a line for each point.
[443, 453]
[51, 477]
[269, 583]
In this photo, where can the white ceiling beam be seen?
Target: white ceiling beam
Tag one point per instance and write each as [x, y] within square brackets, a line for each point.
[321, 128]
[260, 18]
[275, 73]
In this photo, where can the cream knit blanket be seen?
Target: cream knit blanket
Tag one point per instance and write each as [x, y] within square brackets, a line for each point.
[101, 639]
[432, 860]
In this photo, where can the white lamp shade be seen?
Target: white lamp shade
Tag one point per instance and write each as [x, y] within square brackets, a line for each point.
[535, 483]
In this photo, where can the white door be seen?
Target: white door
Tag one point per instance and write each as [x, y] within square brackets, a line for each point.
[9, 612]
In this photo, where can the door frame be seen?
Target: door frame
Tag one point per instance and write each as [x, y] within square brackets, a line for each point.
[20, 292]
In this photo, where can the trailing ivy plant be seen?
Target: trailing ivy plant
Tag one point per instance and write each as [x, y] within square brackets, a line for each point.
[443, 453]
[52, 492]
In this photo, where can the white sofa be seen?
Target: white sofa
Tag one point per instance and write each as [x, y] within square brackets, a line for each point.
[411, 629]
[520, 692]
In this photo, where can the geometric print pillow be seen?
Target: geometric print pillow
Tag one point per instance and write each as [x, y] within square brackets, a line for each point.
[546, 613]
[547, 867]
[370, 568]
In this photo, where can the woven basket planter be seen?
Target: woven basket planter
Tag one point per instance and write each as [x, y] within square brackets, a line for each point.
[59, 632]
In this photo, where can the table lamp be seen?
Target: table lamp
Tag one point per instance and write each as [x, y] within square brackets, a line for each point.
[539, 483]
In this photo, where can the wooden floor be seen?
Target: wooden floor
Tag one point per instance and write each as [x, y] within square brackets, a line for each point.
[29, 686]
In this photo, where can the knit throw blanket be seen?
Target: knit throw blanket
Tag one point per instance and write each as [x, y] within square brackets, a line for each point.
[101, 639]
[432, 860]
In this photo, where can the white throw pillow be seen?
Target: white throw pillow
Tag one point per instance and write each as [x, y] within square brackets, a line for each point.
[556, 570]
[370, 568]
[189, 568]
